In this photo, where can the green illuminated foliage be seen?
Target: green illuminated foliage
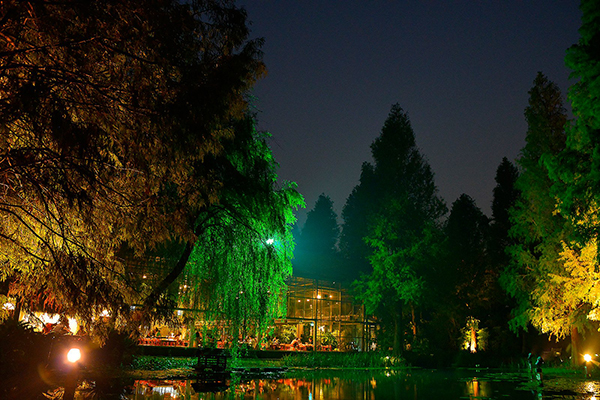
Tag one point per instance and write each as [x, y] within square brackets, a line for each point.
[539, 278]
[537, 229]
[239, 263]
[578, 169]
[576, 178]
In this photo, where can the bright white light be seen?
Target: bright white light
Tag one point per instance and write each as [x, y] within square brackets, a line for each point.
[74, 355]
[587, 358]
[270, 241]
[52, 319]
[9, 306]
[72, 325]
[105, 313]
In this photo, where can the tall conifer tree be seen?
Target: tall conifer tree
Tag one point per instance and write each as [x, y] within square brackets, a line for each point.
[397, 205]
[578, 169]
[316, 253]
[540, 232]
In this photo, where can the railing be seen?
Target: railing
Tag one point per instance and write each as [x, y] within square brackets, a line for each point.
[163, 342]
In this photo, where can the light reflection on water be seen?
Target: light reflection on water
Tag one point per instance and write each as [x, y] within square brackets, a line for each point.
[361, 385]
[357, 385]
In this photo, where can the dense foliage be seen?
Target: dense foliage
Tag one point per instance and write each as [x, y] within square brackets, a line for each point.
[239, 264]
[124, 131]
[576, 172]
[538, 230]
[342, 360]
[397, 200]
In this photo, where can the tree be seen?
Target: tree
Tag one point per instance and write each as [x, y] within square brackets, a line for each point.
[463, 285]
[321, 229]
[398, 204]
[356, 213]
[395, 289]
[115, 122]
[505, 197]
[239, 264]
[576, 180]
[541, 233]
[575, 171]
[316, 248]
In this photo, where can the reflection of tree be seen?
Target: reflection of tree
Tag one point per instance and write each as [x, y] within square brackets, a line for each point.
[477, 389]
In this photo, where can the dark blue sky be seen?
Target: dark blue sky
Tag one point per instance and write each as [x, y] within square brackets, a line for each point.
[461, 69]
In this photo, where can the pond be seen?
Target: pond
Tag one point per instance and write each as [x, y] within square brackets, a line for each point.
[358, 384]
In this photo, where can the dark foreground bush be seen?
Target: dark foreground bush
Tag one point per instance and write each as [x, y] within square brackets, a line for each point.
[24, 356]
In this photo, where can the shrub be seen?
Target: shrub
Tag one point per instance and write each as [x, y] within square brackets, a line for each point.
[342, 360]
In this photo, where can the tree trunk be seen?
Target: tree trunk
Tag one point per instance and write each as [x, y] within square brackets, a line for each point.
[414, 322]
[153, 297]
[576, 359]
[397, 349]
[473, 344]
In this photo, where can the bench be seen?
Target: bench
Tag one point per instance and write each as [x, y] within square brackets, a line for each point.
[212, 360]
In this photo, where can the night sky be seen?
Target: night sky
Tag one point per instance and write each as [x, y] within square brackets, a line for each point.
[461, 69]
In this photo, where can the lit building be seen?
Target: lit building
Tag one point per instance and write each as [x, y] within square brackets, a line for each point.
[324, 313]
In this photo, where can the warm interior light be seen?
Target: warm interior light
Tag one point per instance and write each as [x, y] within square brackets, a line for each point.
[74, 355]
[587, 358]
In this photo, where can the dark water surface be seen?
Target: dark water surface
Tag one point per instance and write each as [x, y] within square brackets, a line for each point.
[365, 385]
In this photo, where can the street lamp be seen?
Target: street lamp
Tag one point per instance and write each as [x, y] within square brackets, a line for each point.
[73, 356]
[587, 358]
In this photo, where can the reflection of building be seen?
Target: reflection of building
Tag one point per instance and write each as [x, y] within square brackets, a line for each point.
[325, 313]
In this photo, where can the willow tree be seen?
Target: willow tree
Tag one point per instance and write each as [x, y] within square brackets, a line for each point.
[114, 117]
[239, 263]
